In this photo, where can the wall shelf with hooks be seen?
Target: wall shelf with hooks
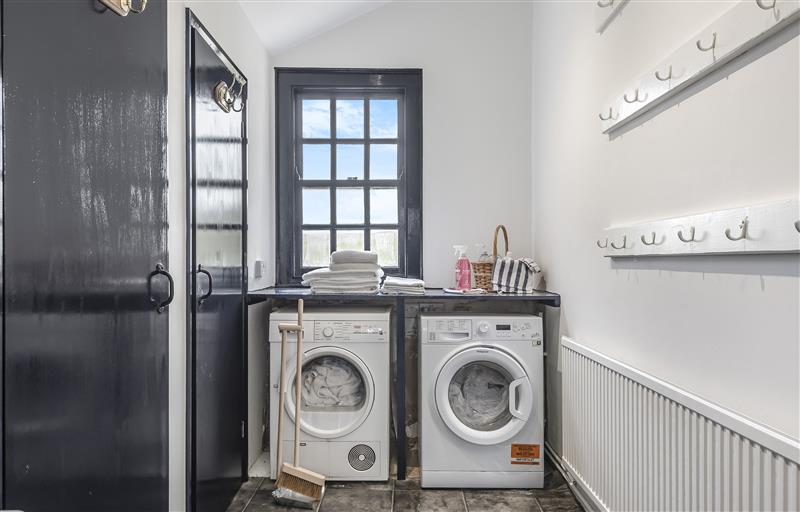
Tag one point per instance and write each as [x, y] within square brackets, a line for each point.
[743, 27]
[605, 11]
[761, 229]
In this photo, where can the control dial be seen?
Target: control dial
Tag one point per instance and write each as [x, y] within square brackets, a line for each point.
[327, 332]
[483, 327]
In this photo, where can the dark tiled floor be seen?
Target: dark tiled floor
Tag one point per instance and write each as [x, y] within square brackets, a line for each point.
[406, 496]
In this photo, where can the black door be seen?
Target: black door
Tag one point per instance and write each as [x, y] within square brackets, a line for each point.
[85, 383]
[217, 184]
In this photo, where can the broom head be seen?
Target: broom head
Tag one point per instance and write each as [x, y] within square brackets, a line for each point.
[301, 480]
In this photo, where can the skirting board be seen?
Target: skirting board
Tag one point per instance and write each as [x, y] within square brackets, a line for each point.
[742, 28]
[762, 229]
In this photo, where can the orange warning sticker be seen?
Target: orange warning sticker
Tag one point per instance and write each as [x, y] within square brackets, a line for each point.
[525, 454]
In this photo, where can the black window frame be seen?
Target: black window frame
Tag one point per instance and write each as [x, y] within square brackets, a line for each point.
[291, 84]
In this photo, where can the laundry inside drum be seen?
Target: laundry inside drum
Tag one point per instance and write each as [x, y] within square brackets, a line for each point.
[331, 382]
[478, 396]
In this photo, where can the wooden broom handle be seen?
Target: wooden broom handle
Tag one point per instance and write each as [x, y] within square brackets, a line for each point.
[298, 378]
[281, 405]
[494, 241]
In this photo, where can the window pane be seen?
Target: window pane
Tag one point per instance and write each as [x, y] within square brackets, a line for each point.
[349, 161]
[384, 242]
[316, 247]
[383, 205]
[383, 119]
[350, 205]
[350, 119]
[350, 240]
[383, 161]
[316, 119]
[316, 162]
[316, 206]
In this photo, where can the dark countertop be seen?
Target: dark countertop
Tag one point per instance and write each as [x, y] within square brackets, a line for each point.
[297, 292]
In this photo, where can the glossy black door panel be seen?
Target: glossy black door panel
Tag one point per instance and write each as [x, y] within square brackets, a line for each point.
[85, 382]
[216, 199]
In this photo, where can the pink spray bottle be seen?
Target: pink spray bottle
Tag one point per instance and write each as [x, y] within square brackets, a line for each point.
[463, 268]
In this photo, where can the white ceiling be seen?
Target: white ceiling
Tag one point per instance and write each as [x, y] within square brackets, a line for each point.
[283, 24]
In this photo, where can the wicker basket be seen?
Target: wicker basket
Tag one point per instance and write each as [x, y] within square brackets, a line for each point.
[482, 270]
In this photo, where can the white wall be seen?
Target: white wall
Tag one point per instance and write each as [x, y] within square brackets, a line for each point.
[476, 61]
[227, 23]
[725, 328]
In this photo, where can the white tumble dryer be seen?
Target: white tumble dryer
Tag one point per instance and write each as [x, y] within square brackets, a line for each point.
[344, 423]
[481, 410]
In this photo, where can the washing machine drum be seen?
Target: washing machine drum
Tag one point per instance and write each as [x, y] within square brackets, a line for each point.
[337, 392]
[483, 395]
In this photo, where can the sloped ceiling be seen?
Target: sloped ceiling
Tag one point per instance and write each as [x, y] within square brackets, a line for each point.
[283, 24]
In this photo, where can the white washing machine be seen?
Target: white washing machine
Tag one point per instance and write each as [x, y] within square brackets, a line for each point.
[344, 421]
[481, 401]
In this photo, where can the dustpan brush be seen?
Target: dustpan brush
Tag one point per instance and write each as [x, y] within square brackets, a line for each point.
[292, 476]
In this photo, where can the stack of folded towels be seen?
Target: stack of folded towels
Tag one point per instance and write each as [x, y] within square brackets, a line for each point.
[403, 285]
[348, 272]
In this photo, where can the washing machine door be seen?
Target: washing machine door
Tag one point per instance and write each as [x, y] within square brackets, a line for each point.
[483, 395]
[337, 392]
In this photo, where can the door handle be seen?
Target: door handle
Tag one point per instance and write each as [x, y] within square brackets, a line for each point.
[512, 397]
[161, 271]
[201, 270]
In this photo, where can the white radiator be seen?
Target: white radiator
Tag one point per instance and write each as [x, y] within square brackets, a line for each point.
[635, 443]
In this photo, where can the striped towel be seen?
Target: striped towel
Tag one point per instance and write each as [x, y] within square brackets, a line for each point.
[514, 275]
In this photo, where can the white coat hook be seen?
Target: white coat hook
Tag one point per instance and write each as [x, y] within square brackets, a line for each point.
[652, 239]
[603, 245]
[764, 5]
[619, 247]
[608, 3]
[635, 97]
[710, 47]
[797, 225]
[665, 78]
[742, 235]
[691, 236]
[606, 118]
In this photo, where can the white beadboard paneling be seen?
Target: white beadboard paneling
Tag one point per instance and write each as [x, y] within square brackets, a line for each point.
[770, 229]
[635, 442]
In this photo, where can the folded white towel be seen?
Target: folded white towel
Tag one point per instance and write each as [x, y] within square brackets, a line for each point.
[354, 257]
[326, 273]
[342, 284]
[336, 267]
[403, 291]
[403, 282]
[337, 290]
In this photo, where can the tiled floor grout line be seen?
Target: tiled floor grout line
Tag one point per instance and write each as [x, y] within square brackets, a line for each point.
[253, 495]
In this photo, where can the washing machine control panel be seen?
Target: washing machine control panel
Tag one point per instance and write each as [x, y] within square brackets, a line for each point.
[348, 330]
[454, 329]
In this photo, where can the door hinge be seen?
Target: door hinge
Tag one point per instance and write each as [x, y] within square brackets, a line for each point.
[242, 429]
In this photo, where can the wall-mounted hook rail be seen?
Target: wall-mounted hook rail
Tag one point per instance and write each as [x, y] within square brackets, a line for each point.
[635, 98]
[609, 116]
[664, 78]
[710, 47]
[652, 239]
[603, 245]
[764, 5]
[691, 236]
[743, 232]
[608, 3]
[624, 242]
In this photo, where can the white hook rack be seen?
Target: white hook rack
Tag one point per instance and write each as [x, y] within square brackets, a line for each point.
[739, 30]
[765, 228]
